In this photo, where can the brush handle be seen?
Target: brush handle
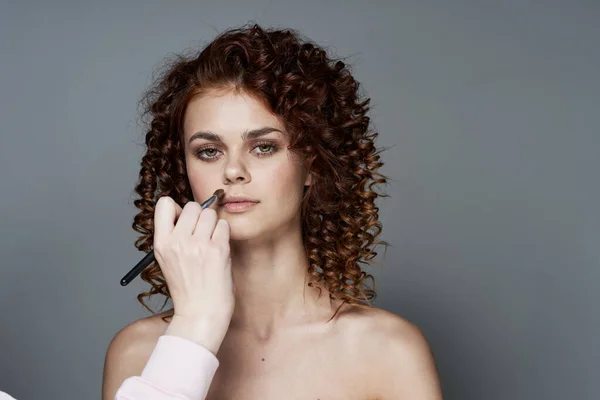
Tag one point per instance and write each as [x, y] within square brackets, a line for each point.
[149, 258]
[139, 267]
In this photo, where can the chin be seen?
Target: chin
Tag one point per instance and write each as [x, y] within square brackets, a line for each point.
[253, 232]
[240, 229]
[240, 235]
[244, 227]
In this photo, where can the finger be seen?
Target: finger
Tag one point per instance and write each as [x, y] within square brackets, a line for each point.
[206, 224]
[187, 220]
[166, 212]
[221, 232]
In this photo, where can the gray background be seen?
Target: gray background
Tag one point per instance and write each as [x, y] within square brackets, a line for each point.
[492, 111]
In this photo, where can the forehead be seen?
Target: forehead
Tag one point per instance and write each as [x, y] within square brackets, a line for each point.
[227, 113]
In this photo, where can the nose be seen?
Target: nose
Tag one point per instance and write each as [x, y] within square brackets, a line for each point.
[235, 171]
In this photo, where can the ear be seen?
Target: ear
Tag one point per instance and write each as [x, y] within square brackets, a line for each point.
[308, 180]
[307, 169]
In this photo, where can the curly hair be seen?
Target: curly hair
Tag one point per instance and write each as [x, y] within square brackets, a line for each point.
[317, 99]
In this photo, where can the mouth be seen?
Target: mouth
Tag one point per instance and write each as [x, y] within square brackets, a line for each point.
[237, 203]
[236, 199]
[238, 206]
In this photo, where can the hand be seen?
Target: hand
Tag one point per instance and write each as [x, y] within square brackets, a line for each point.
[194, 258]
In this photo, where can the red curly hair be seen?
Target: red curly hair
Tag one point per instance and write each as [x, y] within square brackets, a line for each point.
[317, 99]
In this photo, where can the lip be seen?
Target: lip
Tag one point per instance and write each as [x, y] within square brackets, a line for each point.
[237, 199]
[239, 206]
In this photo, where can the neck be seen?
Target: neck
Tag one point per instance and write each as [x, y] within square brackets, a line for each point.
[271, 291]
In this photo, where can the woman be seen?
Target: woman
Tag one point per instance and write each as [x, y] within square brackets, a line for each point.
[269, 290]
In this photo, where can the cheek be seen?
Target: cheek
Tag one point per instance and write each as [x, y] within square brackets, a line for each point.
[284, 182]
[202, 184]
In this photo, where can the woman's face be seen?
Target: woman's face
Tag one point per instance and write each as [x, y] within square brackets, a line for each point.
[233, 142]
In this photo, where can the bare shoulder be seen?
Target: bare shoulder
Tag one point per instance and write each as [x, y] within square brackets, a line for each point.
[129, 351]
[387, 327]
[401, 361]
[368, 322]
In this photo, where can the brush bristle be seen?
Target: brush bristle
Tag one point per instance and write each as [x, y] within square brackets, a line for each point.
[219, 193]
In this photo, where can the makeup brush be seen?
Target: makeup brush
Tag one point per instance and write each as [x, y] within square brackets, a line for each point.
[147, 260]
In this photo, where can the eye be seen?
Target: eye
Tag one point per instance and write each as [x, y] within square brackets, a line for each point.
[266, 148]
[262, 147]
[207, 153]
[210, 153]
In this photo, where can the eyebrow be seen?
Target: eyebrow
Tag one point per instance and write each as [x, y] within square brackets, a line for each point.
[246, 135]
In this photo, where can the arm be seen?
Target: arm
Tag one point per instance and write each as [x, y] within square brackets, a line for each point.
[197, 270]
[177, 369]
[179, 365]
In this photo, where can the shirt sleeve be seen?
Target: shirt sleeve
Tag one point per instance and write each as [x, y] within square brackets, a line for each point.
[178, 369]
[6, 396]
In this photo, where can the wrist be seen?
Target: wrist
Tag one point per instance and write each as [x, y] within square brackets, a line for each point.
[205, 331]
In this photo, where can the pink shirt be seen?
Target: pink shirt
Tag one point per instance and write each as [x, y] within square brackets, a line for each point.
[178, 369]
